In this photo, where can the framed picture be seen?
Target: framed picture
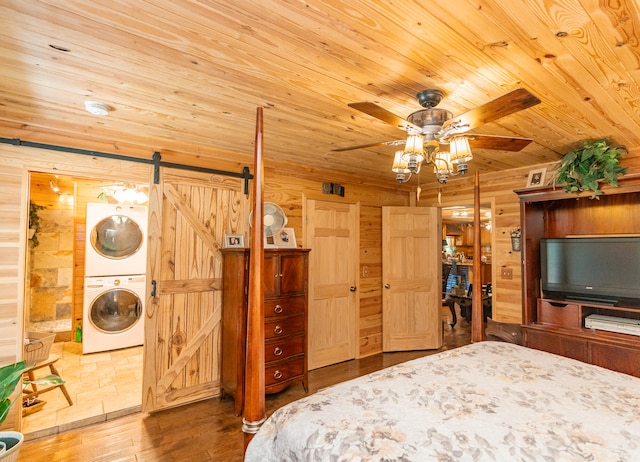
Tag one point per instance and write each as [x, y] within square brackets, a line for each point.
[536, 177]
[233, 241]
[285, 238]
[269, 242]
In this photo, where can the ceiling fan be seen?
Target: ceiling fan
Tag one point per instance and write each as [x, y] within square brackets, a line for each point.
[435, 136]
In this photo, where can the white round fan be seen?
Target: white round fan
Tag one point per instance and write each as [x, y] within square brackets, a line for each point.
[274, 218]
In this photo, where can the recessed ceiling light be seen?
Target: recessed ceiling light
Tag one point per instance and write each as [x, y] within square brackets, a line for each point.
[99, 109]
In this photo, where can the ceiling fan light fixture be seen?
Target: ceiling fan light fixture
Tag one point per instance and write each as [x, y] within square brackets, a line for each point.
[460, 150]
[430, 128]
[401, 168]
[442, 162]
[399, 164]
[442, 166]
[413, 152]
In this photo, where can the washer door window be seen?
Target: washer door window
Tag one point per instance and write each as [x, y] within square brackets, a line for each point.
[115, 310]
[116, 237]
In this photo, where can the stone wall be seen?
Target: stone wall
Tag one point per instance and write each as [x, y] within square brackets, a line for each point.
[51, 267]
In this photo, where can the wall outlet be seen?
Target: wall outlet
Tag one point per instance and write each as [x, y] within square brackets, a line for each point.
[506, 273]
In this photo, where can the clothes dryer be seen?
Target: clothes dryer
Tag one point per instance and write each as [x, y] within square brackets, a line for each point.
[113, 312]
[116, 239]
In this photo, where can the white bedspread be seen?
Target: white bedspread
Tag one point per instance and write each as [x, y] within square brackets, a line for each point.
[487, 401]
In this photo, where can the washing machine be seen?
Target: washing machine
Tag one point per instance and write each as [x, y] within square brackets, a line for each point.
[113, 312]
[116, 239]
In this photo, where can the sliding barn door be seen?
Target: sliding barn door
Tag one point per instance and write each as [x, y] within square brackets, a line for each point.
[332, 235]
[189, 213]
[411, 275]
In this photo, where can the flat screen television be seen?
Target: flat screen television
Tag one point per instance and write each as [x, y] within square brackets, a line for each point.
[602, 269]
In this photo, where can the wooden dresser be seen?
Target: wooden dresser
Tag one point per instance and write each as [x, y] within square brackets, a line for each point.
[285, 310]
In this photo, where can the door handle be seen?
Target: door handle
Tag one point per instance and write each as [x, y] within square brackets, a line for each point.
[352, 289]
[153, 288]
[387, 286]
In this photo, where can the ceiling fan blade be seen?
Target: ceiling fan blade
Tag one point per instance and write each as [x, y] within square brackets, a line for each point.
[502, 143]
[386, 116]
[362, 146]
[504, 105]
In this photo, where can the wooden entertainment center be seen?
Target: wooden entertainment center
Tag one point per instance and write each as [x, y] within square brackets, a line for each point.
[558, 326]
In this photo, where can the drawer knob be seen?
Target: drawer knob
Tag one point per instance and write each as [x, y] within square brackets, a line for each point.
[277, 351]
[277, 330]
[278, 309]
[277, 375]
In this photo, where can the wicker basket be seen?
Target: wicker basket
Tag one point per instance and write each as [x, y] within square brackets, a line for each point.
[37, 346]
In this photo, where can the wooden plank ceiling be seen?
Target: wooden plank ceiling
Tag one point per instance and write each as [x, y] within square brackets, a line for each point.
[185, 77]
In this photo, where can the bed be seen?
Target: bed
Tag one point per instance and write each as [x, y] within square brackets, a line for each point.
[489, 401]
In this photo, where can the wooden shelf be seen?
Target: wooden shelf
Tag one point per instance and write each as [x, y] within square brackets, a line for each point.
[557, 326]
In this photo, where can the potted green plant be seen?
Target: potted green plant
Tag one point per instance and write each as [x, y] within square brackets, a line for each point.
[10, 441]
[10, 376]
[34, 222]
[584, 168]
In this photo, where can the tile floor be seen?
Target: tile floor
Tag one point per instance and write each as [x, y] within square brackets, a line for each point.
[102, 385]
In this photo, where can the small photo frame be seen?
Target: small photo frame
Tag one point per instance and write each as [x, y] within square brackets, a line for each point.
[536, 177]
[269, 242]
[233, 241]
[285, 238]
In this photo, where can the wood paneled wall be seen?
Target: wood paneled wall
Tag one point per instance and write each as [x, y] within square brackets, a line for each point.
[13, 224]
[290, 190]
[370, 290]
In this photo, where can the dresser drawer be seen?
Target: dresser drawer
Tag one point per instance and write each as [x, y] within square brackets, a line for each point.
[283, 327]
[559, 313]
[284, 348]
[282, 372]
[284, 307]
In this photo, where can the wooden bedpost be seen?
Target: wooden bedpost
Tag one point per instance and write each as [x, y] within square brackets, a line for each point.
[254, 409]
[477, 314]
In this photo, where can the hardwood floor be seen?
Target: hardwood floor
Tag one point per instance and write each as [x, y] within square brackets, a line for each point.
[204, 431]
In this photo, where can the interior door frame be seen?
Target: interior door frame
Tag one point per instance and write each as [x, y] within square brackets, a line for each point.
[490, 203]
[140, 174]
[305, 230]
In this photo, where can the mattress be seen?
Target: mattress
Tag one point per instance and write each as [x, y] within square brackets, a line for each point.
[488, 401]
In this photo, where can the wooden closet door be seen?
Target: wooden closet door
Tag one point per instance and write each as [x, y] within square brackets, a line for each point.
[411, 275]
[189, 215]
[332, 235]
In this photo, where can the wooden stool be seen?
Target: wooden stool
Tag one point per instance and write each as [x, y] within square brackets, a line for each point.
[34, 389]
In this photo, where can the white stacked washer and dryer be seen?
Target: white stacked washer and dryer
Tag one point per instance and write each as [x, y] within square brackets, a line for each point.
[115, 276]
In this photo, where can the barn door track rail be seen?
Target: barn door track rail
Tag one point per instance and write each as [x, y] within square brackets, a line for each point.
[155, 160]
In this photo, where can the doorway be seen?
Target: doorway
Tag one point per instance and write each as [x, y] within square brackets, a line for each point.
[458, 250]
[100, 384]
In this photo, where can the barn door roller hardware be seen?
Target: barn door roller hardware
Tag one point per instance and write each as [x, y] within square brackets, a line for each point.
[156, 160]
